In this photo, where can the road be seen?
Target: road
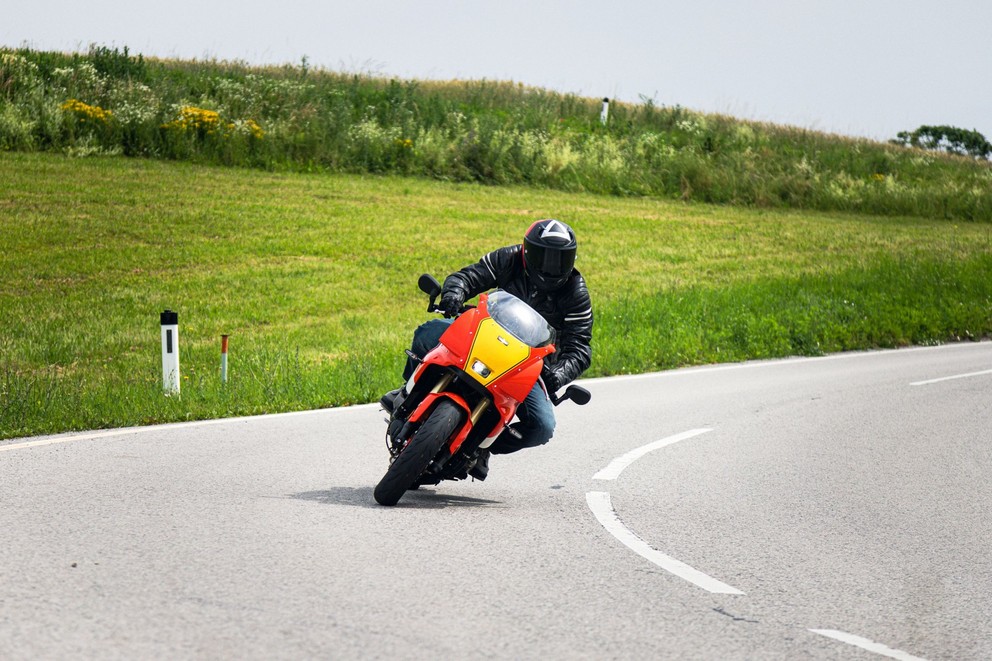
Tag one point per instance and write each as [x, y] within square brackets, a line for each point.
[844, 501]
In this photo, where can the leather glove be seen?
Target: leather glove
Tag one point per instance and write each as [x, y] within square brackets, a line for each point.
[551, 380]
[451, 304]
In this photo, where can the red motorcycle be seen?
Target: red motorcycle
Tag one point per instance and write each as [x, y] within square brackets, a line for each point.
[464, 393]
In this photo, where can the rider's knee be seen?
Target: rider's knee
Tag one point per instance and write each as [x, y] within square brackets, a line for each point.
[543, 430]
[427, 335]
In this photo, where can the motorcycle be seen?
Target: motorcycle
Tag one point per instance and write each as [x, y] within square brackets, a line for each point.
[464, 392]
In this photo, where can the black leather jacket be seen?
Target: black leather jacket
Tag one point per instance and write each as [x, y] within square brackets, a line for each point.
[568, 309]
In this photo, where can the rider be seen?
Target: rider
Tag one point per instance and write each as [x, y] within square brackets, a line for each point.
[541, 272]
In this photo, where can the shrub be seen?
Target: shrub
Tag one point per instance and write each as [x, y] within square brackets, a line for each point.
[16, 128]
[948, 139]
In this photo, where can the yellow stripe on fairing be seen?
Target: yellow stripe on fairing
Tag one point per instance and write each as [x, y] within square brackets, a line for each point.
[499, 350]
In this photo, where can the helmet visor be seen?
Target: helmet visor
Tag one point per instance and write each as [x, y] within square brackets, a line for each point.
[550, 262]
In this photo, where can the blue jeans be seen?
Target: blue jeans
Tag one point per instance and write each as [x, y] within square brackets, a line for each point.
[535, 415]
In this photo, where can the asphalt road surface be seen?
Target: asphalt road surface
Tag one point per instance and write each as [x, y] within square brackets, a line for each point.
[828, 508]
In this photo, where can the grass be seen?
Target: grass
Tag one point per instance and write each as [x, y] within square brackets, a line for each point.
[314, 278]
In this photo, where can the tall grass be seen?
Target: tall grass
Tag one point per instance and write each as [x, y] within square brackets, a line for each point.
[298, 118]
[891, 301]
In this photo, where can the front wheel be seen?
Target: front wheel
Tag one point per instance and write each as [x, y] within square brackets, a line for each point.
[417, 455]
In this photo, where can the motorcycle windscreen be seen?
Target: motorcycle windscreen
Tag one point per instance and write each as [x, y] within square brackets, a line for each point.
[520, 319]
[494, 353]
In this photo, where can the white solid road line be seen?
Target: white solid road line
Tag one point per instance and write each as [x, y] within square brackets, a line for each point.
[602, 507]
[865, 644]
[69, 438]
[613, 470]
[950, 378]
[779, 362]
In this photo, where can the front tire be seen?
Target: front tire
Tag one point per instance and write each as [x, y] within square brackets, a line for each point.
[417, 455]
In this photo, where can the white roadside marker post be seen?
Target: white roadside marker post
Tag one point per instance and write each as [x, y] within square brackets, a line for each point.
[170, 352]
[605, 113]
[223, 359]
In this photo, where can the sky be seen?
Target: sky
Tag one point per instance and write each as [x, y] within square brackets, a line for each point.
[867, 68]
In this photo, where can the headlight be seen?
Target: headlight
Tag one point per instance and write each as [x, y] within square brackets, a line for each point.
[480, 368]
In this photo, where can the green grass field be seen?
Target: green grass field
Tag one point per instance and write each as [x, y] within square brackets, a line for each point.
[314, 278]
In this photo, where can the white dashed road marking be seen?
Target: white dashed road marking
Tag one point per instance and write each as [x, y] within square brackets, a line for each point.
[950, 378]
[602, 507]
[616, 466]
[865, 644]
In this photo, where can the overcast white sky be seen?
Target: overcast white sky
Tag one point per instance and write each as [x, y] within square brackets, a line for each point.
[857, 67]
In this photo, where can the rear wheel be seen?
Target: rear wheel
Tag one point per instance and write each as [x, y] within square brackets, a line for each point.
[417, 455]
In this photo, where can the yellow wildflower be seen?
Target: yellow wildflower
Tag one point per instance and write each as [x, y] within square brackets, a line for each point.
[208, 122]
[86, 112]
[191, 117]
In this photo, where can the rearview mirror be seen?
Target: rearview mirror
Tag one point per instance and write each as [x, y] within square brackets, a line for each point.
[578, 394]
[429, 285]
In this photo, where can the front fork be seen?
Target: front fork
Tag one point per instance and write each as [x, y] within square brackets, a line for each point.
[400, 430]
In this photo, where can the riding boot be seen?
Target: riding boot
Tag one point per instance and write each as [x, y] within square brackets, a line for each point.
[481, 468]
[393, 399]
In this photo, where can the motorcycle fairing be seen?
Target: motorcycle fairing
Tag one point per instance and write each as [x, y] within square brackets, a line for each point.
[494, 350]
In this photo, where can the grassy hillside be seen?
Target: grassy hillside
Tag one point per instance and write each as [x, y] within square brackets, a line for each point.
[314, 278]
[300, 119]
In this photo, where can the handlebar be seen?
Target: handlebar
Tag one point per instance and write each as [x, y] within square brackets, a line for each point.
[435, 308]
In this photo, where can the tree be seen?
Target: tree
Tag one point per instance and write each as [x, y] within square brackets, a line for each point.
[948, 139]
